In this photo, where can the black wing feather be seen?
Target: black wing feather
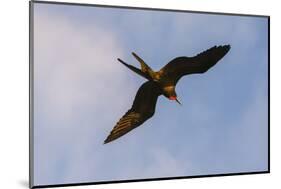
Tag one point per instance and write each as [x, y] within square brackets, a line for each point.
[142, 109]
[200, 63]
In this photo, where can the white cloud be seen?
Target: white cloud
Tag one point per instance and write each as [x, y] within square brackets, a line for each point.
[75, 73]
[75, 66]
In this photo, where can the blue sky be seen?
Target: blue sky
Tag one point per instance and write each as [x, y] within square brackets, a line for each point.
[81, 91]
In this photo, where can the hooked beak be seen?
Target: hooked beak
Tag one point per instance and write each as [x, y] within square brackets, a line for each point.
[175, 98]
[178, 102]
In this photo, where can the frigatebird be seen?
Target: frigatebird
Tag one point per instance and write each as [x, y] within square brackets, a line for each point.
[162, 82]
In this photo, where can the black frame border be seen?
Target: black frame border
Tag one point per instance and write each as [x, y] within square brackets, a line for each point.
[31, 93]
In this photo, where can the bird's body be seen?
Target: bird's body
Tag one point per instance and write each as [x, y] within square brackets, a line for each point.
[162, 82]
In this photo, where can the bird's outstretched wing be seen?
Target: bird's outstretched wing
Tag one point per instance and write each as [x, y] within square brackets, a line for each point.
[142, 109]
[200, 63]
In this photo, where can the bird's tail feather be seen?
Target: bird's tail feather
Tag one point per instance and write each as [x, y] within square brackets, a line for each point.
[136, 70]
[144, 67]
[145, 70]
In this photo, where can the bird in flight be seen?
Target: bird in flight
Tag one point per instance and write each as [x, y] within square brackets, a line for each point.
[162, 82]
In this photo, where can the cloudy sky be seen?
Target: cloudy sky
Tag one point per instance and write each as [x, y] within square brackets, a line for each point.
[81, 91]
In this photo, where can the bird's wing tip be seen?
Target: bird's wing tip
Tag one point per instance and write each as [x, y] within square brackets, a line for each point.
[106, 141]
[227, 46]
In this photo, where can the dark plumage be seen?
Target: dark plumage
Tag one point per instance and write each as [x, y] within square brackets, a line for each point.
[162, 82]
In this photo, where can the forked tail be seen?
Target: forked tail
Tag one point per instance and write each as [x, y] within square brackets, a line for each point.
[145, 70]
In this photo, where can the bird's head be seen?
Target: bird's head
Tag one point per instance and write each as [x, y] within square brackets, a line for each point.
[175, 98]
[171, 94]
